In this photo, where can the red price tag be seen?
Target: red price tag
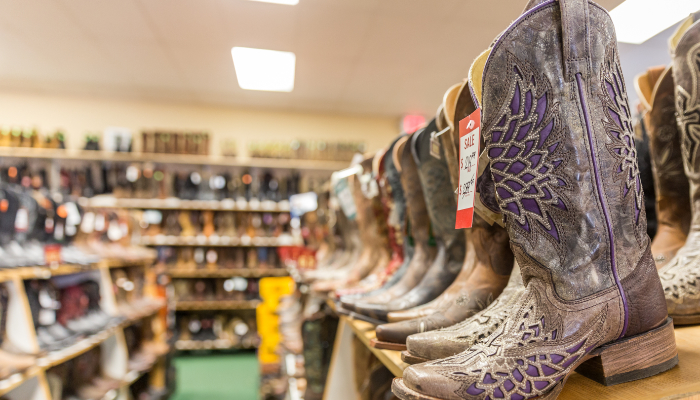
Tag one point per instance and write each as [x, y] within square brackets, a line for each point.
[469, 135]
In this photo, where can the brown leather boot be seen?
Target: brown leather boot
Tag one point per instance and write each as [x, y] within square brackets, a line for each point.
[372, 271]
[383, 205]
[655, 89]
[418, 233]
[434, 179]
[374, 249]
[557, 129]
[489, 261]
[449, 341]
[680, 275]
[394, 207]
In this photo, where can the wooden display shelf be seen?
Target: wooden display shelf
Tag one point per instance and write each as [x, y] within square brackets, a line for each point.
[681, 382]
[47, 271]
[60, 356]
[219, 344]
[216, 305]
[14, 381]
[227, 273]
[215, 241]
[84, 345]
[183, 159]
[179, 204]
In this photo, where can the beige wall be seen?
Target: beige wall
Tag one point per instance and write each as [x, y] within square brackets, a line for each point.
[78, 115]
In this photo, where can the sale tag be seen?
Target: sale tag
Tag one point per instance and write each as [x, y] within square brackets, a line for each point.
[469, 135]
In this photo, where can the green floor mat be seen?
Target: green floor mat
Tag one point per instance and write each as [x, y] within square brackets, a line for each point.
[217, 377]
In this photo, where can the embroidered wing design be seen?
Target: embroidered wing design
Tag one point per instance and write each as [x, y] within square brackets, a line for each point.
[620, 128]
[689, 111]
[523, 148]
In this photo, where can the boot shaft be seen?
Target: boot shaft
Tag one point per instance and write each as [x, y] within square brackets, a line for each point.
[558, 131]
[439, 198]
[686, 76]
[392, 199]
[656, 89]
[418, 229]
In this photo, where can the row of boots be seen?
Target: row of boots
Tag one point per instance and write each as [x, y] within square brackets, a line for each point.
[557, 273]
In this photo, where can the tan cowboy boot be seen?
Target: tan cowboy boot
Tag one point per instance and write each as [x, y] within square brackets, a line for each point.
[656, 91]
[680, 276]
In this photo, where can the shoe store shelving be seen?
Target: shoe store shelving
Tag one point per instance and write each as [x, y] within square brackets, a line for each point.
[681, 382]
[218, 241]
[48, 271]
[227, 273]
[216, 305]
[32, 383]
[182, 159]
[189, 205]
[218, 344]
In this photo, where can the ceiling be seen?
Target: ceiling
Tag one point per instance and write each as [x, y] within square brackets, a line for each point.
[369, 57]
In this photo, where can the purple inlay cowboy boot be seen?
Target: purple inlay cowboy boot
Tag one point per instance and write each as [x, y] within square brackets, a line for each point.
[557, 127]
[681, 276]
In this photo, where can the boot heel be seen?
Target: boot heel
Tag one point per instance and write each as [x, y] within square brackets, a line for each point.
[633, 358]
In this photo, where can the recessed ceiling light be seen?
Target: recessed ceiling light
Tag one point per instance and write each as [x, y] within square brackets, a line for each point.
[288, 2]
[637, 21]
[258, 69]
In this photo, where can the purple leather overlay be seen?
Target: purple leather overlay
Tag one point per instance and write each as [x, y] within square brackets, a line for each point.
[599, 189]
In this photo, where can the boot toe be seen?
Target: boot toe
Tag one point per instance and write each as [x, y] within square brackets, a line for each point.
[435, 345]
[423, 379]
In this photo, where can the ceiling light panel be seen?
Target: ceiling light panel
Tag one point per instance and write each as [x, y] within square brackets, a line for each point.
[637, 21]
[268, 70]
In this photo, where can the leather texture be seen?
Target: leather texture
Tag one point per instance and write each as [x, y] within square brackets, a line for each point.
[447, 342]
[488, 261]
[394, 202]
[558, 133]
[670, 183]
[441, 207]
[419, 232]
[680, 276]
[387, 222]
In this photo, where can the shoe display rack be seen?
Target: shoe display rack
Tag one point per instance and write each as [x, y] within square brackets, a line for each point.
[184, 159]
[120, 366]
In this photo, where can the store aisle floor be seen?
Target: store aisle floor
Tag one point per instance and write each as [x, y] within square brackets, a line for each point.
[217, 377]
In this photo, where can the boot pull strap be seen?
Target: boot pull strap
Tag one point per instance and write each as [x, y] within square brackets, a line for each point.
[575, 26]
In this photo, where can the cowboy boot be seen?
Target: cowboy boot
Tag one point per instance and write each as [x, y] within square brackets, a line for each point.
[381, 204]
[551, 126]
[394, 207]
[477, 271]
[442, 208]
[449, 341]
[680, 276]
[655, 89]
[488, 263]
[446, 342]
[419, 236]
[369, 273]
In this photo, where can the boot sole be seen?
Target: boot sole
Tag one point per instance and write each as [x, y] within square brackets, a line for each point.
[378, 344]
[633, 358]
[409, 358]
[354, 315]
[692, 319]
[637, 357]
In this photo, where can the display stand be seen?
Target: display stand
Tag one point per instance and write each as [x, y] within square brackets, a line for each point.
[681, 382]
[32, 383]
